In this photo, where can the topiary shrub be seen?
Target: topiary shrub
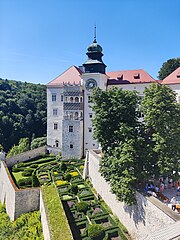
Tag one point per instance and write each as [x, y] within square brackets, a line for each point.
[63, 167]
[67, 177]
[82, 206]
[74, 188]
[27, 172]
[96, 232]
[24, 181]
[35, 181]
[34, 165]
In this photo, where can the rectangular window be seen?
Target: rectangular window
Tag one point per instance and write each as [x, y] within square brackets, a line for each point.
[55, 126]
[55, 112]
[53, 97]
[71, 145]
[70, 128]
[62, 98]
[89, 99]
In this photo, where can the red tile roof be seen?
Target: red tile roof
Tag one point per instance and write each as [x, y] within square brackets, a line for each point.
[71, 75]
[129, 76]
[173, 78]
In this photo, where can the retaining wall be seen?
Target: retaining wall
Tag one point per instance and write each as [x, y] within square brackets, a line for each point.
[17, 201]
[23, 157]
[44, 221]
[141, 220]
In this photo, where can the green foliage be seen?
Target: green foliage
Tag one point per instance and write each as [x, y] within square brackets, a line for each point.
[67, 177]
[27, 172]
[96, 232]
[27, 226]
[74, 188]
[1, 148]
[63, 167]
[24, 181]
[35, 181]
[82, 206]
[168, 67]
[57, 221]
[20, 148]
[162, 118]
[116, 128]
[38, 142]
[22, 108]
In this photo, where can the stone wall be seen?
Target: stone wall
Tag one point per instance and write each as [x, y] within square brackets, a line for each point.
[25, 156]
[17, 201]
[44, 221]
[141, 220]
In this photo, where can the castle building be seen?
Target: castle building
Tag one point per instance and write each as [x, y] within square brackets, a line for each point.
[69, 109]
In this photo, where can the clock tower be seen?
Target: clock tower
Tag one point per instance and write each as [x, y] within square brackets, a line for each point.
[94, 76]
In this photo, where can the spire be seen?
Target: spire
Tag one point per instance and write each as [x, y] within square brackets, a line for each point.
[95, 34]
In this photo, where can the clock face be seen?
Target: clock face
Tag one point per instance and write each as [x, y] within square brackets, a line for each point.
[90, 84]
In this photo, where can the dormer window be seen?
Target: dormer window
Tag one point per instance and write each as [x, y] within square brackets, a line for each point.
[120, 77]
[136, 76]
[178, 75]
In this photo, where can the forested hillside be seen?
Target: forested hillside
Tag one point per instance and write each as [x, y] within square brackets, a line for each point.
[22, 111]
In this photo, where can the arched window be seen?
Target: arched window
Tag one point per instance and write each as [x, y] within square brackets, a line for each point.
[76, 115]
[57, 143]
[76, 99]
[71, 99]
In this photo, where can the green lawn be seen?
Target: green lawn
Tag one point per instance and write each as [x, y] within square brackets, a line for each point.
[59, 228]
[18, 175]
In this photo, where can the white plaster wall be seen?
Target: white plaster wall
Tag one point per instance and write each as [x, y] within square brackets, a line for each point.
[137, 87]
[44, 221]
[52, 134]
[7, 191]
[74, 138]
[141, 220]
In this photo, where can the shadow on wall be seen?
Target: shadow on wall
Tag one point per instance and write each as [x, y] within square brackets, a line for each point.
[137, 212]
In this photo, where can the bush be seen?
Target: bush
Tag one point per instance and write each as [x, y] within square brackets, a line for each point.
[24, 181]
[34, 165]
[96, 232]
[82, 206]
[27, 172]
[74, 188]
[16, 169]
[67, 177]
[35, 181]
[63, 167]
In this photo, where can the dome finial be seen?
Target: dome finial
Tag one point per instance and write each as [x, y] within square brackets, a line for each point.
[95, 34]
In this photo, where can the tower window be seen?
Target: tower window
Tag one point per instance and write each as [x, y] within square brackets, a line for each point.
[57, 143]
[53, 97]
[62, 98]
[90, 129]
[89, 99]
[55, 126]
[55, 112]
[76, 99]
[71, 99]
[70, 128]
[76, 115]
[90, 115]
[71, 145]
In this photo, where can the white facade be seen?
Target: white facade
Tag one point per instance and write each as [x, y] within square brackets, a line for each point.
[69, 107]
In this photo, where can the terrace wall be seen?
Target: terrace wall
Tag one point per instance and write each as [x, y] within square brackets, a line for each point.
[17, 201]
[23, 157]
[44, 221]
[141, 220]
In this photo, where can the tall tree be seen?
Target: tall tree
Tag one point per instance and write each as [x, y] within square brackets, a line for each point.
[168, 67]
[162, 126]
[116, 129]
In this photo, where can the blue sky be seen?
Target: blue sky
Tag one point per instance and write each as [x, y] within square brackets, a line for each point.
[39, 39]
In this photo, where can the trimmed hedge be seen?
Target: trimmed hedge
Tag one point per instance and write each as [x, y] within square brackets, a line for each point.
[24, 182]
[82, 206]
[96, 232]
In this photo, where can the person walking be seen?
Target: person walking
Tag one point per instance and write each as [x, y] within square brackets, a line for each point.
[173, 202]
